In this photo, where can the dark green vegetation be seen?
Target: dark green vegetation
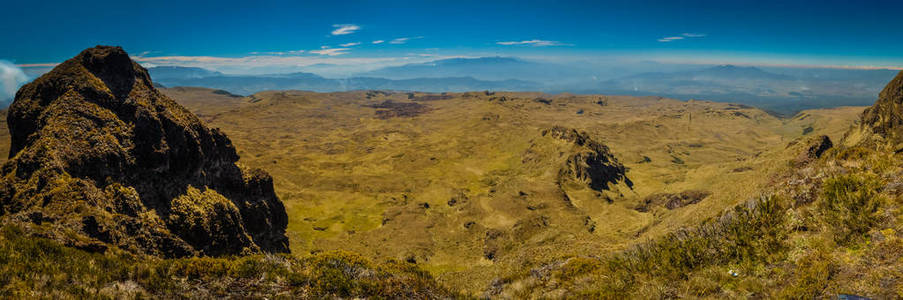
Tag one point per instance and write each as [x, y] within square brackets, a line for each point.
[503, 195]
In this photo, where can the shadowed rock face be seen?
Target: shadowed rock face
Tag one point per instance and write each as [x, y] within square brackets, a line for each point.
[884, 120]
[100, 157]
[592, 163]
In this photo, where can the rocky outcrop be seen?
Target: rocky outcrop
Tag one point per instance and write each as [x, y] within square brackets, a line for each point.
[672, 200]
[99, 157]
[882, 124]
[591, 161]
[810, 149]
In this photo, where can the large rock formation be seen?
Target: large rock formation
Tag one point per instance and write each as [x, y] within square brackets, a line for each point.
[882, 124]
[99, 157]
[592, 162]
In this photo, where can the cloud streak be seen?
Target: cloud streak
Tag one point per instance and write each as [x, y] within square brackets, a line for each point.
[670, 39]
[682, 36]
[292, 52]
[343, 29]
[534, 43]
[331, 51]
[404, 40]
[378, 42]
[350, 44]
[11, 78]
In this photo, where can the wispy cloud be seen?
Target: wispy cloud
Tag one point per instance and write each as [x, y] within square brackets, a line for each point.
[331, 51]
[670, 39]
[41, 65]
[534, 43]
[11, 78]
[378, 42]
[343, 29]
[291, 52]
[403, 40]
[350, 44]
[682, 36]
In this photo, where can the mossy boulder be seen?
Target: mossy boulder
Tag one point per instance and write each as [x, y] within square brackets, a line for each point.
[106, 159]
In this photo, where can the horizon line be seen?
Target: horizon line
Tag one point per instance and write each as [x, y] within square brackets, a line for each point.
[665, 61]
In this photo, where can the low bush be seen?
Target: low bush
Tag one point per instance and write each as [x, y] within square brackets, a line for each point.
[850, 204]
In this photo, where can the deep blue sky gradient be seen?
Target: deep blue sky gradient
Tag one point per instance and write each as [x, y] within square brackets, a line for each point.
[828, 32]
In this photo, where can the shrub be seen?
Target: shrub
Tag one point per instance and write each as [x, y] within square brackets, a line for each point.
[850, 204]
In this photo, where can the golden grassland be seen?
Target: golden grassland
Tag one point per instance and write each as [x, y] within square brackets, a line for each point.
[467, 187]
[382, 186]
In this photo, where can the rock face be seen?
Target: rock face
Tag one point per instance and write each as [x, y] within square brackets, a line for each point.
[672, 200]
[883, 122]
[812, 149]
[99, 157]
[592, 161]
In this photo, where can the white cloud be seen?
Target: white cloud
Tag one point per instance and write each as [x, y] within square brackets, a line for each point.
[280, 53]
[670, 39]
[403, 40]
[11, 78]
[682, 36]
[350, 44]
[331, 51]
[534, 43]
[343, 29]
[378, 41]
[399, 41]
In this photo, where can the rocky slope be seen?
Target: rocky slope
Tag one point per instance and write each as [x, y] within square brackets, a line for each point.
[100, 158]
[880, 124]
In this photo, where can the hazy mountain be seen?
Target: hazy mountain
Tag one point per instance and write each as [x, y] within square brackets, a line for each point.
[783, 90]
[249, 84]
[176, 72]
[487, 68]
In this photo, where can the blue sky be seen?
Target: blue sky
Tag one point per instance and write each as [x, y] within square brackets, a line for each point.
[231, 35]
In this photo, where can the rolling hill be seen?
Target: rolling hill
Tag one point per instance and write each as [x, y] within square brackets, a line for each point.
[445, 195]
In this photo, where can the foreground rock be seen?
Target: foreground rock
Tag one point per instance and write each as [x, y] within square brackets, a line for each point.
[99, 157]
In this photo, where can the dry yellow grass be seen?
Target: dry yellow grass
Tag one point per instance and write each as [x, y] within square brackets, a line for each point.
[382, 187]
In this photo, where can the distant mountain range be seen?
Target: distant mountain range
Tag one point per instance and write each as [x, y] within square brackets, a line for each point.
[484, 68]
[783, 90]
[173, 72]
[249, 84]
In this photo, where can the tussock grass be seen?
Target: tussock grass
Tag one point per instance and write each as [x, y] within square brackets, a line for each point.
[850, 204]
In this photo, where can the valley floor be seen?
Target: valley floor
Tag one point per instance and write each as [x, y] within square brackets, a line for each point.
[470, 188]
[380, 180]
